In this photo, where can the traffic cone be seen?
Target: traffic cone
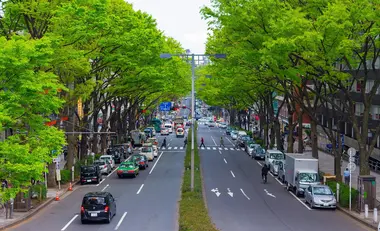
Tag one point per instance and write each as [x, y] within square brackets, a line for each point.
[56, 196]
[70, 187]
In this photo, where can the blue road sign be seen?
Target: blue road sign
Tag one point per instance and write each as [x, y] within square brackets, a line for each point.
[165, 106]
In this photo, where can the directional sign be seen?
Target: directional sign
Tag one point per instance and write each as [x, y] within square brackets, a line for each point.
[351, 166]
[165, 106]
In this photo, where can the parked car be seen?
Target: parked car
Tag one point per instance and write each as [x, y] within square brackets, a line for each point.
[97, 206]
[147, 150]
[234, 135]
[153, 130]
[90, 174]
[258, 153]
[109, 158]
[228, 131]
[137, 157]
[104, 165]
[241, 141]
[223, 125]
[320, 196]
[250, 147]
[274, 166]
[127, 168]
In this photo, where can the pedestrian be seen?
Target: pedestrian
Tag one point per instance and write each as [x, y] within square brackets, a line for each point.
[202, 142]
[185, 142]
[346, 175]
[221, 141]
[164, 143]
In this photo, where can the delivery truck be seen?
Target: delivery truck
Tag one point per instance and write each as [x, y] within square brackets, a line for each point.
[301, 170]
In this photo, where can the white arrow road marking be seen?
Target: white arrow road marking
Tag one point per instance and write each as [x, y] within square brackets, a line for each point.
[225, 160]
[105, 187]
[216, 191]
[269, 194]
[230, 193]
[232, 173]
[68, 223]
[217, 194]
[121, 220]
[242, 191]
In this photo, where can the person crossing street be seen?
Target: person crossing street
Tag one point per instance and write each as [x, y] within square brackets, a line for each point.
[202, 142]
[221, 142]
[164, 143]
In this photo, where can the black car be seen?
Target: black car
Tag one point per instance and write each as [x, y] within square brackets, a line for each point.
[90, 174]
[97, 206]
[116, 154]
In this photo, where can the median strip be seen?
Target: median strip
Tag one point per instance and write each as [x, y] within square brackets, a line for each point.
[193, 214]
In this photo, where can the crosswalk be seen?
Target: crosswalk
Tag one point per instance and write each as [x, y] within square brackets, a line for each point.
[204, 148]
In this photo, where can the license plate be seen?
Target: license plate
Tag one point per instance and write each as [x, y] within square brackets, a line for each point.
[325, 205]
[88, 180]
[94, 214]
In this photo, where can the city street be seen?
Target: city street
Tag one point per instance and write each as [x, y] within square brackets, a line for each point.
[148, 202]
[238, 200]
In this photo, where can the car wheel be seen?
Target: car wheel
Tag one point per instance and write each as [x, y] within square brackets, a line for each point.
[109, 218]
[119, 176]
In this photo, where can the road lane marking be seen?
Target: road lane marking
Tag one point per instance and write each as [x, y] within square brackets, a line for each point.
[175, 148]
[269, 194]
[231, 148]
[208, 148]
[105, 187]
[102, 180]
[68, 223]
[110, 174]
[232, 173]
[245, 194]
[213, 140]
[169, 148]
[259, 163]
[220, 152]
[181, 148]
[155, 163]
[220, 148]
[214, 148]
[298, 199]
[121, 220]
[229, 141]
[202, 148]
[138, 192]
[225, 148]
[163, 148]
[225, 161]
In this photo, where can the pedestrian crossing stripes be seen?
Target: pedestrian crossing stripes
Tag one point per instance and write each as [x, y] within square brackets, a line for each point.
[204, 148]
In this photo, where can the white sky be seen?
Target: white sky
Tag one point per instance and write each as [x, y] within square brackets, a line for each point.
[179, 19]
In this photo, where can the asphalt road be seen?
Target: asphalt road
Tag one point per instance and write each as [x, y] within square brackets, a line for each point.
[238, 200]
[148, 202]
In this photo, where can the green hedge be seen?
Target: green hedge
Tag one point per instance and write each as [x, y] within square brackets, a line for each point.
[344, 193]
[65, 176]
[40, 190]
[259, 141]
[193, 215]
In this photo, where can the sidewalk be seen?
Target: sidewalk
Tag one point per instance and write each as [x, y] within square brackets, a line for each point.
[18, 217]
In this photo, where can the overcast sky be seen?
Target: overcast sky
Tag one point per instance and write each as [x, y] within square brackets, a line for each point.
[179, 19]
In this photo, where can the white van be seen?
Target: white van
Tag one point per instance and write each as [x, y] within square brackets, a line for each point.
[271, 155]
[147, 150]
[241, 133]
[169, 127]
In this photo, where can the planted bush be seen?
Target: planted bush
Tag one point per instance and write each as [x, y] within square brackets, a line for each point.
[65, 176]
[344, 193]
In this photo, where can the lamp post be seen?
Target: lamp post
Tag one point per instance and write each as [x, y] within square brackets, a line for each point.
[187, 55]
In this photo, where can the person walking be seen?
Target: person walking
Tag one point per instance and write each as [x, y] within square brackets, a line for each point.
[221, 142]
[185, 142]
[164, 143]
[202, 142]
[346, 175]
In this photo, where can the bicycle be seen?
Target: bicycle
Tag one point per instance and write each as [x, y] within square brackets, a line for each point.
[265, 178]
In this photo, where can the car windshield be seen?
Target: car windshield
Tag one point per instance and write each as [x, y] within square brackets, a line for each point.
[245, 138]
[261, 150]
[127, 165]
[252, 145]
[276, 162]
[94, 201]
[105, 158]
[179, 130]
[308, 177]
[277, 156]
[322, 191]
[146, 149]
[100, 162]
[88, 169]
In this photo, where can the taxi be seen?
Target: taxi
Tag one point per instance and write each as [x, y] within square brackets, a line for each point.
[128, 168]
[180, 132]
[148, 151]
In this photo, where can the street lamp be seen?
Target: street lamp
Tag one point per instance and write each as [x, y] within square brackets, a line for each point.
[187, 55]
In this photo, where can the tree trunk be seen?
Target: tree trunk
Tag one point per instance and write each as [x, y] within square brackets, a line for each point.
[300, 140]
[277, 132]
[314, 139]
[51, 175]
[95, 139]
[338, 158]
[71, 139]
[291, 126]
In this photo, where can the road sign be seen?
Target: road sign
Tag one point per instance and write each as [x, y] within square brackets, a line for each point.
[352, 159]
[165, 106]
[351, 152]
[351, 166]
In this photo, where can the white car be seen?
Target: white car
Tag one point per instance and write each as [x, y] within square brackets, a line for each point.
[155, 151]
[164, 131]
[223, 125]
[148, 151]
[108, 158]
[169, 127]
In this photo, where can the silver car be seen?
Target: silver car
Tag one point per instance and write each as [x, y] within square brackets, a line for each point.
[234, 135]
[274, 167]
[320, 196]
[258, 153]
[104, 166]
[250, 148]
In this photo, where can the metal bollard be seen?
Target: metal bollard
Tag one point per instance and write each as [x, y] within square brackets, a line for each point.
[375, 215]
[366, 211]
[337, 192]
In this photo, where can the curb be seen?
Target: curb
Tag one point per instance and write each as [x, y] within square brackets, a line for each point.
[364, 222]
[34, 211]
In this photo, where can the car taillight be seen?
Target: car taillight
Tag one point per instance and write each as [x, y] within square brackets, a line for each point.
[141, 162]
[105, 166]
[119, 171]
[106, 209]
[131, 170]
[82, 209]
